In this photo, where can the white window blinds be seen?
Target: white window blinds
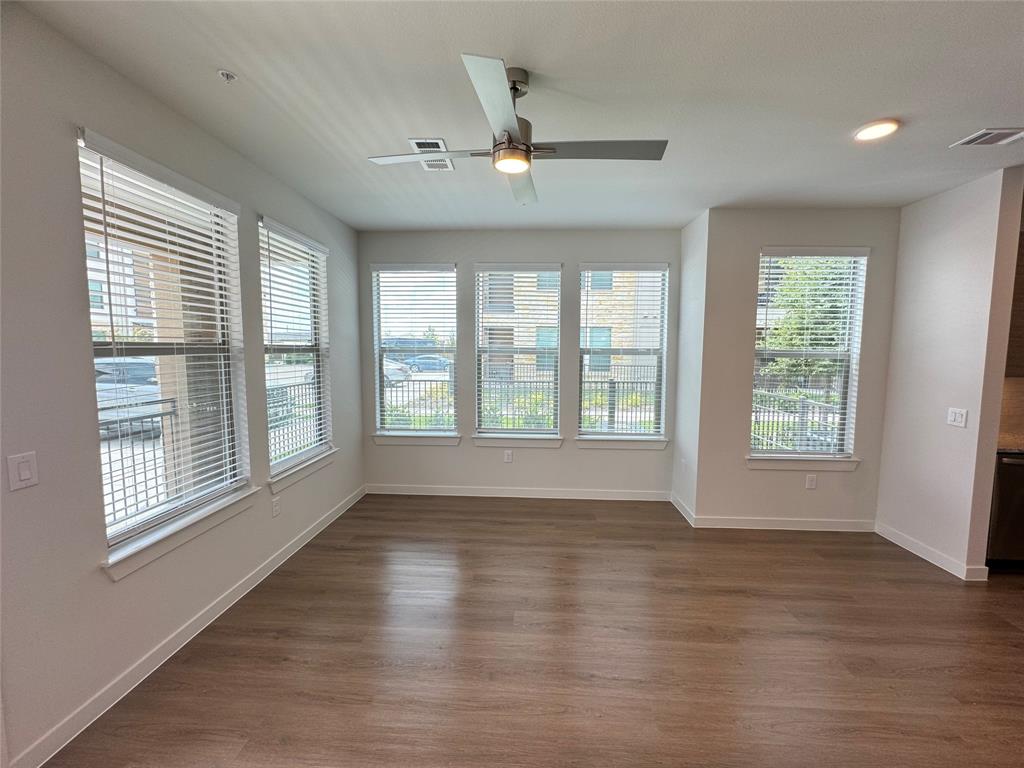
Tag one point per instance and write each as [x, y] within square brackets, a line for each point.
[807, 346]
[163, 299]
[293, 273]
[623, 320]
[414, 348]
[517, 342]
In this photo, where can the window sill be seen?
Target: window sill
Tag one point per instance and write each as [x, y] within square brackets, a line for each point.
[517, 441]
[804, 463]
[622, 443]
[302, 470]
[128, 556]
[416, 438]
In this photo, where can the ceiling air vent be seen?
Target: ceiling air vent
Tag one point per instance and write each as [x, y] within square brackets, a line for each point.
[990, 137]
[432, 145]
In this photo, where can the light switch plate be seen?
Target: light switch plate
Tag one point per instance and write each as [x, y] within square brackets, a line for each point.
[21, 470]
[957, 417]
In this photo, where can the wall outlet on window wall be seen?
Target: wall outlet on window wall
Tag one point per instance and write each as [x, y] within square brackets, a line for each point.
[275, 506]
[508, 457]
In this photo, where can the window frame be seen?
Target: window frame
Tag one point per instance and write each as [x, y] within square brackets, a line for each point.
[167, 514]
[587, 350]
[850, 387]
[506, 320]
[318, 348]
[380, 352]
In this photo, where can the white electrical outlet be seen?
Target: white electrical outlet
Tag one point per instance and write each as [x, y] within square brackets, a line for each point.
[21, 470]
[275, 506]
[811, 482]
[957, 417]
[508, 457]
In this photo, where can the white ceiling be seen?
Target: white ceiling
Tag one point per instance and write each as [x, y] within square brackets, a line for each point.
[758, 101]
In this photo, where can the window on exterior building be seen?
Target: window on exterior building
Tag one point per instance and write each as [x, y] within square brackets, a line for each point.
[96, 294]
[623, 327]
[414, 333]
[293, 278]
[806, 351]
[166, 334]
[517, 329]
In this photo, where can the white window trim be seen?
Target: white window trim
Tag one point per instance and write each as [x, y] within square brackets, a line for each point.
[311, 461]
[132, 554]
[516, 437]
[798, 460]
[623, 442]
[313, 453]
[111, 149]
[516, 440]
[416, 438]
[398, 437]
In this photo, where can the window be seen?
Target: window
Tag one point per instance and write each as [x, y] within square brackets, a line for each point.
[165, 333]
[414, 348]
[96, 294]
[599, 281]
[293, 277]
[517, 349]
[597, 338]
[623, 317]
[806, 350]
[498, 292]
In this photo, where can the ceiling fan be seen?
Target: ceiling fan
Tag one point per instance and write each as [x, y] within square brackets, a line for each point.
[512, 149]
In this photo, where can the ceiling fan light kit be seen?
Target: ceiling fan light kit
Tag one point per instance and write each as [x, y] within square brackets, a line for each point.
[512, 149]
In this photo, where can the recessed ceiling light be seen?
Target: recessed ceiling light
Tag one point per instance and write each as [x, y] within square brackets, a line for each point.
[227, 75]
[878, 129]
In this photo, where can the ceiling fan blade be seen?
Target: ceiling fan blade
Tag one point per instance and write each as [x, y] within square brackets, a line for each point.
[601, 150]
[522, 187]
[417, 157]
[491, 84]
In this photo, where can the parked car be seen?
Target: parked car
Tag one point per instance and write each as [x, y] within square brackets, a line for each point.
[404, 345]
[126, 370]
[395, 373]
[428, 363]
[129, 409]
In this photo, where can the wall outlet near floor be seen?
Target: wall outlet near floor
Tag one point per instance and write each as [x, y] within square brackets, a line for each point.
[508, 457]
[811, 482]
[957, 417]
[275, 506]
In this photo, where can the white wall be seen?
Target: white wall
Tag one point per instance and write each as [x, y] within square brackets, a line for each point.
[725, 490]
[69, 631]
[467, 468]
[954, 288]
[694, 267]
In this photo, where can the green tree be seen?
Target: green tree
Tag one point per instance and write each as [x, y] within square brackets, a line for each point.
[808, 302]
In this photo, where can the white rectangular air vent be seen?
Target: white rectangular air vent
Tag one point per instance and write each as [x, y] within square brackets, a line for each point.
[432, 145]
[990, 137]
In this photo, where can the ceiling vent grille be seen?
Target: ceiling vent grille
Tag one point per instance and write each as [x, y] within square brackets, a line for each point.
[990, 137]
[432, 145]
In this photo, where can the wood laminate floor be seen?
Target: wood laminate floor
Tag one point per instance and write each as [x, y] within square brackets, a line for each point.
[464, 632]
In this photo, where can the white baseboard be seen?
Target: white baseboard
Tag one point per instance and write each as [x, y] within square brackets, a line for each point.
[684, 510]
[771, 523]
[522, 493]
[57, 737]
[932, 555]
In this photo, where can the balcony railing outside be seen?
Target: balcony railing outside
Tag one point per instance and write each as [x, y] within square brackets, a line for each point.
[794, 423]
[621, 391]
[516, 394]
[292, 418]
[134, 466]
